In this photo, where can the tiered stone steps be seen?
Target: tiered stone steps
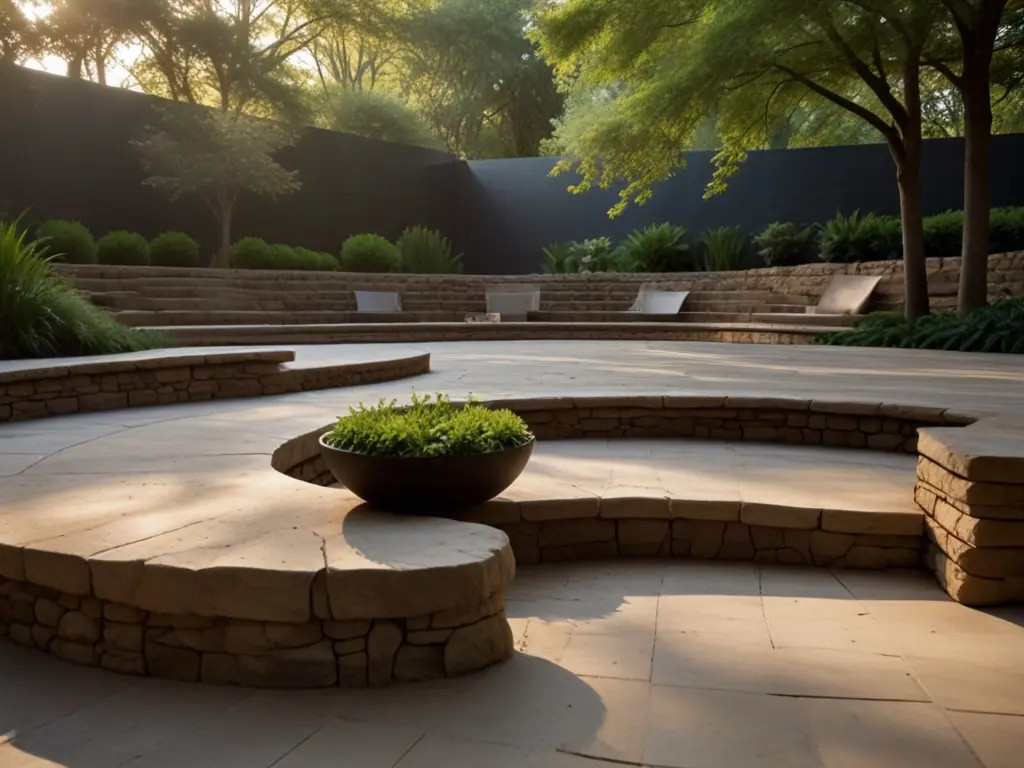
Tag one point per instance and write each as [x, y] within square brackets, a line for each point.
[242, 307]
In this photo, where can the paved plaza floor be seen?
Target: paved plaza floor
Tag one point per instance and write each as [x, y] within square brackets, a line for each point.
[647, 663]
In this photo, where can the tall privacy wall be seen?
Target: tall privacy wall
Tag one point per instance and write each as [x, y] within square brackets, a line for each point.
[65, 152]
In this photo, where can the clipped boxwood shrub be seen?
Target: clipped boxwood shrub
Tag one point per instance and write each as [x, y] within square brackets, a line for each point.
[43, 314]
[315, 261]
[174, 249]
[370, 253]
[67, 241]
[251, 253]
[283, 257]
[428, 427]
[425, 251]
[998, 327]
[122, 247]
[786, 244]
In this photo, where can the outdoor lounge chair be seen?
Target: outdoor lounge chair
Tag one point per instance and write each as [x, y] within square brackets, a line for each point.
[846, 295]
[378, 301]
[512, 302]
[652, 301]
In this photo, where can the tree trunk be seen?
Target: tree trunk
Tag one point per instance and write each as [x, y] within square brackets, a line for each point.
[222, 259]
[974, 257]
[915, 273]
[75, 65]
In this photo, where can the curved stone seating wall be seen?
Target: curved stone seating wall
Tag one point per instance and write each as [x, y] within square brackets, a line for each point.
[351, 653]
[422, 332]
[162, 377]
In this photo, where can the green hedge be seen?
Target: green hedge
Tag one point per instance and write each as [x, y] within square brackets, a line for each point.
[122, 247]
[66, 241]
[370, 253]
[174, 249]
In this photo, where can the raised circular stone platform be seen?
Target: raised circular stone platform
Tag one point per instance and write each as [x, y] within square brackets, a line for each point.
[166, 544]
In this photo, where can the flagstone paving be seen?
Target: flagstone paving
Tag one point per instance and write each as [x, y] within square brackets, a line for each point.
[658, 663]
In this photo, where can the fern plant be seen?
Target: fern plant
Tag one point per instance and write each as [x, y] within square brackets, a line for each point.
[581, 257]
[996, 328]
[723, 248]
[656, 248]
[852, 238]
[425, 251]
[428, 427]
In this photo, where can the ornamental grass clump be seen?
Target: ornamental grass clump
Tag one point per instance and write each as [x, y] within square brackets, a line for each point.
[428, 428]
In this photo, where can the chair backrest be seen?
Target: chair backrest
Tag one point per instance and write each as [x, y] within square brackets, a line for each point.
[512, 304]
[651, 301]
[378, 301]
[846, 295]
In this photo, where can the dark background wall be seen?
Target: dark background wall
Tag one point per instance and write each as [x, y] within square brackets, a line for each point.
[64, 152]
[525, 209]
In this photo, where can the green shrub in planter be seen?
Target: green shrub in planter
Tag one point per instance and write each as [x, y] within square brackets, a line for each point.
[871, 237]
[943, 234]
[251, 253]
[315, 261]
[283, 257]
[122, 247]
[174, 249]
[44, 316]
[786, 244]
[429, 427]
[370, 253]
[425, 252]
[66, 241]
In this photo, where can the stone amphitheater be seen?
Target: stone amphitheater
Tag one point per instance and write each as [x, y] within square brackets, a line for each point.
[721, 554]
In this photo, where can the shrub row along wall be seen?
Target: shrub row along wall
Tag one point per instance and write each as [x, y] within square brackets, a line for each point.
[37, 392]
[351, 653]
[64, 147]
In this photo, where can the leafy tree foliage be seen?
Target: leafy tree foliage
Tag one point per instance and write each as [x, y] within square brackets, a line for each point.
[216, 156]
[378, 115]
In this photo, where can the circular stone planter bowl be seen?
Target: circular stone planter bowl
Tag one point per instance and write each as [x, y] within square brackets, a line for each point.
[426, 486]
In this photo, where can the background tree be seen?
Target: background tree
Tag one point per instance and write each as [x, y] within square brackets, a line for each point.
[216, 156]
[978, 31]
[377, 115]
[749, 64]
[17, 35]
[475, 78]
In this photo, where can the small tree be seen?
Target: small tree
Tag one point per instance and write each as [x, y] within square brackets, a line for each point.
[216, 156]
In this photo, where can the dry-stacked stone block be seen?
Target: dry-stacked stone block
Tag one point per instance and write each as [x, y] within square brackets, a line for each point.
[974, 507]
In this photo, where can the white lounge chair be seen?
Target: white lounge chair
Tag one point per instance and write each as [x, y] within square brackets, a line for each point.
[512, 302]
[378, 301]
[651, 301]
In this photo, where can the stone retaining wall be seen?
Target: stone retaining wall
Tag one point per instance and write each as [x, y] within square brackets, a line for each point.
[1006, 277]
[974, 526]
[423, 332]
[323, 652]
[114, 384]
